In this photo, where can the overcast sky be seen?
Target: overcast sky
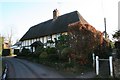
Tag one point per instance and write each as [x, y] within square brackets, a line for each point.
[19, 15]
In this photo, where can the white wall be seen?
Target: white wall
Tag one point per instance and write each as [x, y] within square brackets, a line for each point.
[42, 39]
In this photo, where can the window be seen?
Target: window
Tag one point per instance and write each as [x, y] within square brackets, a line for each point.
[49, 37]
[53, 37]
[58, 35]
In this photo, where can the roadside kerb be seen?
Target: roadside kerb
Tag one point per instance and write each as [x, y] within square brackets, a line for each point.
[5, 72]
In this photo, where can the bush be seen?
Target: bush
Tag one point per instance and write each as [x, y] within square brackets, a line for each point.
[25, 52]
[65, 53]
[53, 57]
[39, 50]
[43, 55]
[52, 54]
[51, 50]
[69, 65]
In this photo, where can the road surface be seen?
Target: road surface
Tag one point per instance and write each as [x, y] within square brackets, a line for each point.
[18, 68]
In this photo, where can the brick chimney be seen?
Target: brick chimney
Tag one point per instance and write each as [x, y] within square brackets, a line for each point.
[55, 14]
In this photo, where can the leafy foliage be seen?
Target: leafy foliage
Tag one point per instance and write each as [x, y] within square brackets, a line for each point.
[117, 34]
[39, 50]
[65, 54]
[62, 42]
[50, 41]
[43, 55]
[84, 39]
[52, 54]
[25, 52]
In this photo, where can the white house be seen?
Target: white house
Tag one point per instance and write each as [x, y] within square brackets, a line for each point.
[51, 29]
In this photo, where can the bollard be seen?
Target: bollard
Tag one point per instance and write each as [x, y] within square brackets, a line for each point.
[97, 65]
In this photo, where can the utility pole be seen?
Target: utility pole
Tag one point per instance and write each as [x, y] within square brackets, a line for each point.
[119, 15]
[105, 28]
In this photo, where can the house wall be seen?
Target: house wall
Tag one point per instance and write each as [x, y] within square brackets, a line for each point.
[42, 39]
[6, 46]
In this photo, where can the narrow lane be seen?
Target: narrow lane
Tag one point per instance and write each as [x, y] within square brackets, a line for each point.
[18, 68]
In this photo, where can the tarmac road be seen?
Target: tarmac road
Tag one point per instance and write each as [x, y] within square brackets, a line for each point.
[18, 68]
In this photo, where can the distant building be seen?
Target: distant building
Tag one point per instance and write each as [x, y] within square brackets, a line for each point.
[4, 45]
[1, 44]
[51, 29]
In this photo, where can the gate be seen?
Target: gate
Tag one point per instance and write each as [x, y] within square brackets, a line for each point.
[96, 64]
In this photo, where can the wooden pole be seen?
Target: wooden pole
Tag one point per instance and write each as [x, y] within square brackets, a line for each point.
[93, 55]
[97, 65]
[105, 28]
[111, 66]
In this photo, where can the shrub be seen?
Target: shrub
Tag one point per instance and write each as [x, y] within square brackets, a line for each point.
[52, 54]
[39, 50]
[65, 53]
[51, 50]
[69, 65]
[53, 57]
[25, 52]
[62, 42]
[43, 55]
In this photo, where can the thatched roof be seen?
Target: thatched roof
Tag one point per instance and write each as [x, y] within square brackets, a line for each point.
[53, 26]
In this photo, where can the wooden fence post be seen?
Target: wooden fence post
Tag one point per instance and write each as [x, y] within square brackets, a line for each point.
[97, 65]
[93, 55]
[111, 66]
